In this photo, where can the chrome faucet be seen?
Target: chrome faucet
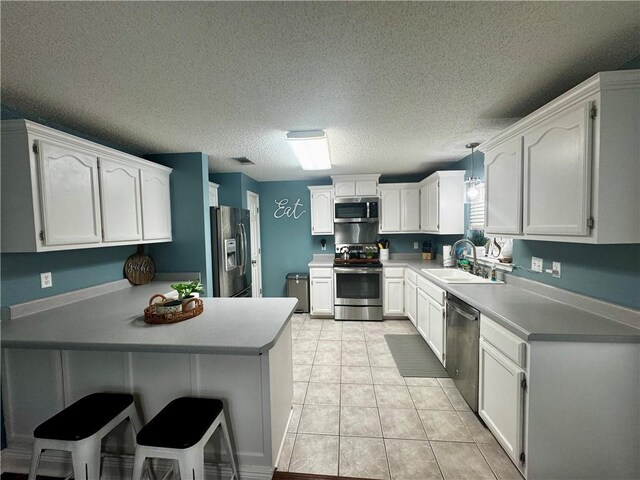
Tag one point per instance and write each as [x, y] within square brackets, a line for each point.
[474, 266]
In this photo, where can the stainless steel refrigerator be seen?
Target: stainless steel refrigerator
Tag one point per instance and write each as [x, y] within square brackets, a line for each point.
[230, 240]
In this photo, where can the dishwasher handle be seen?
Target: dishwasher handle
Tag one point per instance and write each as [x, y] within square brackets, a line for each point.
[469, 316]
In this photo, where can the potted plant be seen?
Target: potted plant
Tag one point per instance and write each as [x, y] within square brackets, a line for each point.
[188, 291]
[479, 240]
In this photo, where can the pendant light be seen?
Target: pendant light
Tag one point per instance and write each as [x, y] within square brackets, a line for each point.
[473, 183]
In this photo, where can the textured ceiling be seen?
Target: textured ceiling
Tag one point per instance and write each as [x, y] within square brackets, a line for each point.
[398, 87]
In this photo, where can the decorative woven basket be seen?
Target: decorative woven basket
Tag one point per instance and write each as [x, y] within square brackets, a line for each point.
[150, 316]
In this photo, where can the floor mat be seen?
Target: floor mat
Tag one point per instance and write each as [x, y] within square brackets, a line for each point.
[413, 357]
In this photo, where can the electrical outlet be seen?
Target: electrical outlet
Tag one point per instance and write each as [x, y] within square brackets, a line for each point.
[556, 270]
[415, 245]
[46, 280]
[536, 264]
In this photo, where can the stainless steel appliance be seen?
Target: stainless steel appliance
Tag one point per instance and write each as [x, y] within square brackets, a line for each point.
[230, 240]
[356, 209]
[357, 273]
[463, 343]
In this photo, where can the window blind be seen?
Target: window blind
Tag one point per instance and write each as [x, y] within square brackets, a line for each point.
[476, 211]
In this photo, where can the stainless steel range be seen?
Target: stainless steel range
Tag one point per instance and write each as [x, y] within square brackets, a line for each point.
[357, 282]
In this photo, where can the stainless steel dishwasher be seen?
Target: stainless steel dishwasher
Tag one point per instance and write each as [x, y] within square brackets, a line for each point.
[463, 342]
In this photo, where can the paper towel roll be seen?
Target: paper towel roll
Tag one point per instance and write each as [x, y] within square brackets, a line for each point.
[446, 256]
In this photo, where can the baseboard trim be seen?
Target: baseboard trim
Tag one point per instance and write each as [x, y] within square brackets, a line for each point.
[55, 463]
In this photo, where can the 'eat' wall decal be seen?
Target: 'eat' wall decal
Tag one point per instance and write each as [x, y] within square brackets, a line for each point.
[284, 210]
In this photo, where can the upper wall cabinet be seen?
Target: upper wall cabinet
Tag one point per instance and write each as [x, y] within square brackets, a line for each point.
[213, 194]
[569, 172]
[156, 205]
[321, 210]
[503, 195]
[355, 185]
[120, 201]
[60, 192]
[442, 203]
[70, 196]
[399, 208]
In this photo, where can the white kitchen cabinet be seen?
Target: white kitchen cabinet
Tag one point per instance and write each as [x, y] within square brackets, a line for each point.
[500, 398]
[393, 291]
[400, 208]
[321, 210]
[156, 205]
[503, 195]
[577, 150]
[557, 173]
[213, 195]
[410, 296]
[442, 203]
[322, 299]
[389, 209]
[410, 208]
[355, 185]
[431, 316]
[423, 315]
[61, 192]
[70, 194]
[437, 328]
[120, 201]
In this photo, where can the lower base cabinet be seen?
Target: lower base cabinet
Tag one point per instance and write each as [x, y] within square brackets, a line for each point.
[321, 280]
[501, 398]
[393, 292]
[410, 301]
[561, 410]
[431, 321]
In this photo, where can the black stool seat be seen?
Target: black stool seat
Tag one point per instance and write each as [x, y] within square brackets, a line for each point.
[85, 417]
[181, 424]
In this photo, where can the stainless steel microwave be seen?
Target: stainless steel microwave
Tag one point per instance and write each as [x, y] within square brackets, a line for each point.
[356, 209]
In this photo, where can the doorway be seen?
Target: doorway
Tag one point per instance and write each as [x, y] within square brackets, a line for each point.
[253, 204]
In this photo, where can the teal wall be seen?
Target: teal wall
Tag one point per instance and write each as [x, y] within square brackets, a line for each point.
[190, 250]
[70, 270]
[287, 243]
[233, 188]
[606, 272]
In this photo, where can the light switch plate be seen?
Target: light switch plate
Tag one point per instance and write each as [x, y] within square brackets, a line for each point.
[556, 270]
[536, 264]
[415, 245]
[46, 280]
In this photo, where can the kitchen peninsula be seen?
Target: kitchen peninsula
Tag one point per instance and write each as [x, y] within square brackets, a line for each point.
[238, 350]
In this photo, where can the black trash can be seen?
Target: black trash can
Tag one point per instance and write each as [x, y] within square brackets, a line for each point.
[298, 287]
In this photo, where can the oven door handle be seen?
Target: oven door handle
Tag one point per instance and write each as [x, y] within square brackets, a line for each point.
[356, 270]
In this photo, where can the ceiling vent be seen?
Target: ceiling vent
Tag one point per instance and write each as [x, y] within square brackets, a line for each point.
[244, 161]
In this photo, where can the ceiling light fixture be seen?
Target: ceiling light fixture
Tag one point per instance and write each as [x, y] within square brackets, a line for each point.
[473, 183]
[311, 148]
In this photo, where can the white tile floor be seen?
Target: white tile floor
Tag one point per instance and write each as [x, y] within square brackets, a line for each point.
[354, 415]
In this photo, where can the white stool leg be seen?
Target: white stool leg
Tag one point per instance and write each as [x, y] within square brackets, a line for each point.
[35, 460]
[138, 464]
[227, 441]
[191, 464]
[85, 456]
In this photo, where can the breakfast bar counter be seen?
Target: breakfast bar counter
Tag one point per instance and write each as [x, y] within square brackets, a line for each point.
[59, 350]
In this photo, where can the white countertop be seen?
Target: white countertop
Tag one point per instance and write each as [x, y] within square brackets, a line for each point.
[115, 321]
[531, 316]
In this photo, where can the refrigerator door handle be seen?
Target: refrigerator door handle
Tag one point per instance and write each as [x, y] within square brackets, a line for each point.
[245, 248]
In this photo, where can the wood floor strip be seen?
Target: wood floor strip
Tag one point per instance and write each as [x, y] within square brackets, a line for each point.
[307, 476]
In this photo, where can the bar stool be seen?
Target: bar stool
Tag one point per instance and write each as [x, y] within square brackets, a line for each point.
[80, 428]
[179, 432]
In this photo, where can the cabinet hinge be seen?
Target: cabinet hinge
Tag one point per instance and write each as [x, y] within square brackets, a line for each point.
[42, 235]
[591, 223]
[522, 457]
[594, 112]
[34, 147]
[523, 384]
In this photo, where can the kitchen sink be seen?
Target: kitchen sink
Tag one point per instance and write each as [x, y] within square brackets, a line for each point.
[454, 275]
